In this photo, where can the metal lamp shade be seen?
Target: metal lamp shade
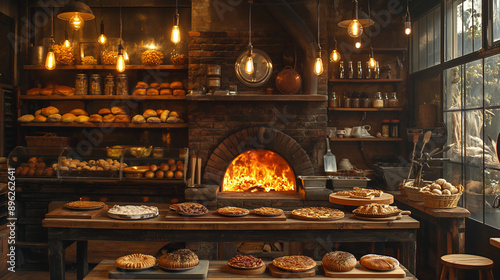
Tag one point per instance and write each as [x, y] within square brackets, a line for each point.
[82, 9]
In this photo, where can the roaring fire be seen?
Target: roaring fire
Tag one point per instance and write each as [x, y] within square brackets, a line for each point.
[259, 171]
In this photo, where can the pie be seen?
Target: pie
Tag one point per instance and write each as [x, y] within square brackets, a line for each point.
[190, 209]
[181, 259]
[379, 262]
[339, 261]
[84, 204]
[245, 262]
[233, 211]
[294, 263]
[318, 214]
[135, 261]
[361, 193]
[377, 210]
[133, 210]
[267, 211]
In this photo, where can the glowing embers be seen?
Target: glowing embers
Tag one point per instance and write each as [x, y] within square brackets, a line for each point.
[259, 171]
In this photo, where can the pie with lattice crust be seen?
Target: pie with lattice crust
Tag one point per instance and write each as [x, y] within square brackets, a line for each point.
[294, 263]
[233, 211]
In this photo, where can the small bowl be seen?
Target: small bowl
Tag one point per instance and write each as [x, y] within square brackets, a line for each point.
[135, 171]
[140, 152]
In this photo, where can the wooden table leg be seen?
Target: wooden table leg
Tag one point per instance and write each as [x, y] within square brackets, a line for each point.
[82, 268]
[409, 255]
[457, 229]
[56, 257]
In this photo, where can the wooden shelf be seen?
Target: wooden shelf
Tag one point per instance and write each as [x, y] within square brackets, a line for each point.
[258, 97]
[106, 67]
[117, 125]
[364, 109]
[366, 139]
[103, 97]
[365, 81]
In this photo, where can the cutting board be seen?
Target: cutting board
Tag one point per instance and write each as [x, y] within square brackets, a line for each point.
[257, 271]
[198, 272]
[385, 198]
[213, 216]
[361, 272]
[62, 212]
[278, 273]
[391, 218]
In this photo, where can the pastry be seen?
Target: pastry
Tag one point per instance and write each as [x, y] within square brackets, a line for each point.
[40, 118]
[38, 112]
[339, 261]
[139, 91]
[79, 112]
[164, 115]
[64, 90]
[47, 111]
[46, 91]
[139, 119]
[68, 118]
[84, 204]
[26, 118]
[165, 91]
[174, 114]
[54, 118]
[268, 211]
[33, 91]
[179, 92]
[149, 113]
[154, 85]
[135, 261]
[164, 85]
[190, 209]
[104, 111]
[122, 119]
[108, 118]
[179, 260]
[294, 263]
[154, 120]
[133, 210]
[82, 119]
[95, 118]
[172, 120]
[141, 85]
[118, 110]
[232, 211]
[176, 85]
[245, 262]
[377, 210]
[152, 91]
[317, 213]
[379, 262]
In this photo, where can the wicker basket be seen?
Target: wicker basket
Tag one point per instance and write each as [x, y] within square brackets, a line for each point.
[442, 201]
[412, 192]
[47, 140]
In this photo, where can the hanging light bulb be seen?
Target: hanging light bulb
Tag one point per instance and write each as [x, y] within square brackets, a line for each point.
[355, 29]
[120, 63]
[318, 65]
[66, 43]
[407, 19]
[335, 55]
[357, 44]
[407, 28]
[76, 22]
[175, 37]
[102, 38]
[249, 66]
[50, 61]
[372, 63]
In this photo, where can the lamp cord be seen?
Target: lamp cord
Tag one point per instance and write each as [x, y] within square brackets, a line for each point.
[319, 46]
[250, 23]
[120, 4]
[368, 27]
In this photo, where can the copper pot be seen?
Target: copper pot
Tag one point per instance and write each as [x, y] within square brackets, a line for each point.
[288, 81]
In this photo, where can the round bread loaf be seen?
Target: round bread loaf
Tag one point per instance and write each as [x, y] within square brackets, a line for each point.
[164, 85]
[165, 91]
[379, 262]
[82, 119]
[180, 259]
[122, 119]
[339, 261]
[176, 85]
[141, 85]
[139, 91]
[51, 110]
[54, 118]
[108, 118]
[138, 119]
[149, 113]
[79, 112]
[26, 118]
[33, 91]
[152, 91]
[95, 118]
[104, 111]
[68, 117]
[40, 118]
[118, 110]
[154, 85]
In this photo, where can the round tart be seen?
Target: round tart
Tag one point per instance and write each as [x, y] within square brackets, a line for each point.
[190, 209]
[267, 211]
[245, 262]
[339, 261]
[182, 259]
[377, 210]
[133, 212]
[84, 205]
[135, 262]
[294, 263]
[318, 214]
[379, 262]
[233, 211]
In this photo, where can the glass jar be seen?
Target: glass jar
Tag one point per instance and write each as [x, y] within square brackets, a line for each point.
[365, 100]
[64, 55]
[386, 100]
[385, 128]
[394, 133]
[109, 84]
[341, 70]
[378, 102]
[360, 70]
[109, 54]
[394, 101]
[334, 101]
[81, 84]
[368, 70]
[95, 84]
[177, 58]
[347, 100]
[351, 70]
[355, 101]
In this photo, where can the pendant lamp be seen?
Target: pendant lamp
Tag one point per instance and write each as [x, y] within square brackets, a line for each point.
[50, 61]
[318, 64]
[76, 13]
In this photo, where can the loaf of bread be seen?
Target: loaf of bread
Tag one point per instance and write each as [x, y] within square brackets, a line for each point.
[141, 85]
[46, 91]
[108, 118]
[118, 110]
[149, 113]
[54, 118]
[154, 120]
[82, 119]
[79, 112]
[172, 120]
[176, 85]
[104, 111]
[164, 85]
[152, 91]
[164, 115]
[122, 119]
[379, 262]
[64, 90]
[47, 111]
[33, 91]
[139, 91]
[67, 118]
[95, 118]
[154, 85]
[138, 119]
[38, 112]
[179, 92]
[26, 118]
[40, 118]
[339, 261]
[159, 111]
[174, 114]
[165, 91]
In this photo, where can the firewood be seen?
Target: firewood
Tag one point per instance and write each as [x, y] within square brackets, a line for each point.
[277, 246]
[251, 247]
[266, 248]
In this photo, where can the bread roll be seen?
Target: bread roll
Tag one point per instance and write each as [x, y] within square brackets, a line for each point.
[176, 85]
[33, 91]
[164, 115]
[64, 90]
[67, 118]
[174, 114]
[38, 112]
[79, 112]
[108, 118]
[154, 85]
[26, 118]
[164, 85]
[149, 113]
[152, 91]
[141, 85]
[165, 91]
[172, 120]
[118, 110]
[139, 91]
[46, 91]
[138, 119]
[159, 111]
[104, 111]
[179, 92]
[82, 119]
[339, 261]
[122, 119]
[379, 262]
[51, 110]
[40, 118]
[95, 118]
[154, 120]
[54, 118]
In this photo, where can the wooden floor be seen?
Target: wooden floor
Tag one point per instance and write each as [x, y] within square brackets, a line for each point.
[34, 275]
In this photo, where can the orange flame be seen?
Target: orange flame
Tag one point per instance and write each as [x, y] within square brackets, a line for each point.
[259, 170]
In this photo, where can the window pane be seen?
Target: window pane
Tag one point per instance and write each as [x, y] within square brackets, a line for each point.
[491, 129]
[452, 79]
[491, 80]
[463, 27]
[477, 24]
[492, 189]
[414, 47]
[474, 163]
[474, 84]
[473, 192]
[430, 40]
[426, 40]
[437, 36]
[454, 126]
[496, 20]
[422, 44]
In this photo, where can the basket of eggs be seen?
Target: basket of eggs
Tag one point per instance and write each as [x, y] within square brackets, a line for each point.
[441, 194]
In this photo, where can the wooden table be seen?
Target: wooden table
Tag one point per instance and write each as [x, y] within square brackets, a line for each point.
[450, 225]
[216, 272]
[62, 231]
[495, 242]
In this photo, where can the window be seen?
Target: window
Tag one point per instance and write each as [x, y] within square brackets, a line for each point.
[463, 27]
[426, 40]
[496, 20]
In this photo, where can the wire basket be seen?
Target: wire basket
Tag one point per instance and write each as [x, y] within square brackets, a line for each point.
[47, 140]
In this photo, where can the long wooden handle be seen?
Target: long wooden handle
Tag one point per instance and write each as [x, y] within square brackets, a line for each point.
[198, 170]
[193, 168]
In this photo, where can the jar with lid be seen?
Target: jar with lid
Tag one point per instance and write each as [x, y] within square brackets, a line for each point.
[334, 100]
[386, 100]
[365, 100]
[95, 84]
[360, 70]
[122, 84]
[81, 84]
[355, 101]
[368, 70]
[394, 129]
[351, 70]
[109, 84]
[341, 70]
[347, 100]
[378, 102]
[385, 128]
[394, 101]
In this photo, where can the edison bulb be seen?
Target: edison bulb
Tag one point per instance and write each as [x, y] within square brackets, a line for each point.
[355, 29]
[102, 39]
[76, 22]
[176, 34]
[50, 62]
[125, 56]
[407, 28]
[357, 44]
[249, 68]
[335, 56]
[120, 63]
[67, 43]
[318, 66]
[372, 63]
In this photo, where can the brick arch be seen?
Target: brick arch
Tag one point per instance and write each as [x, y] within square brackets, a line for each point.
[251, 139]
